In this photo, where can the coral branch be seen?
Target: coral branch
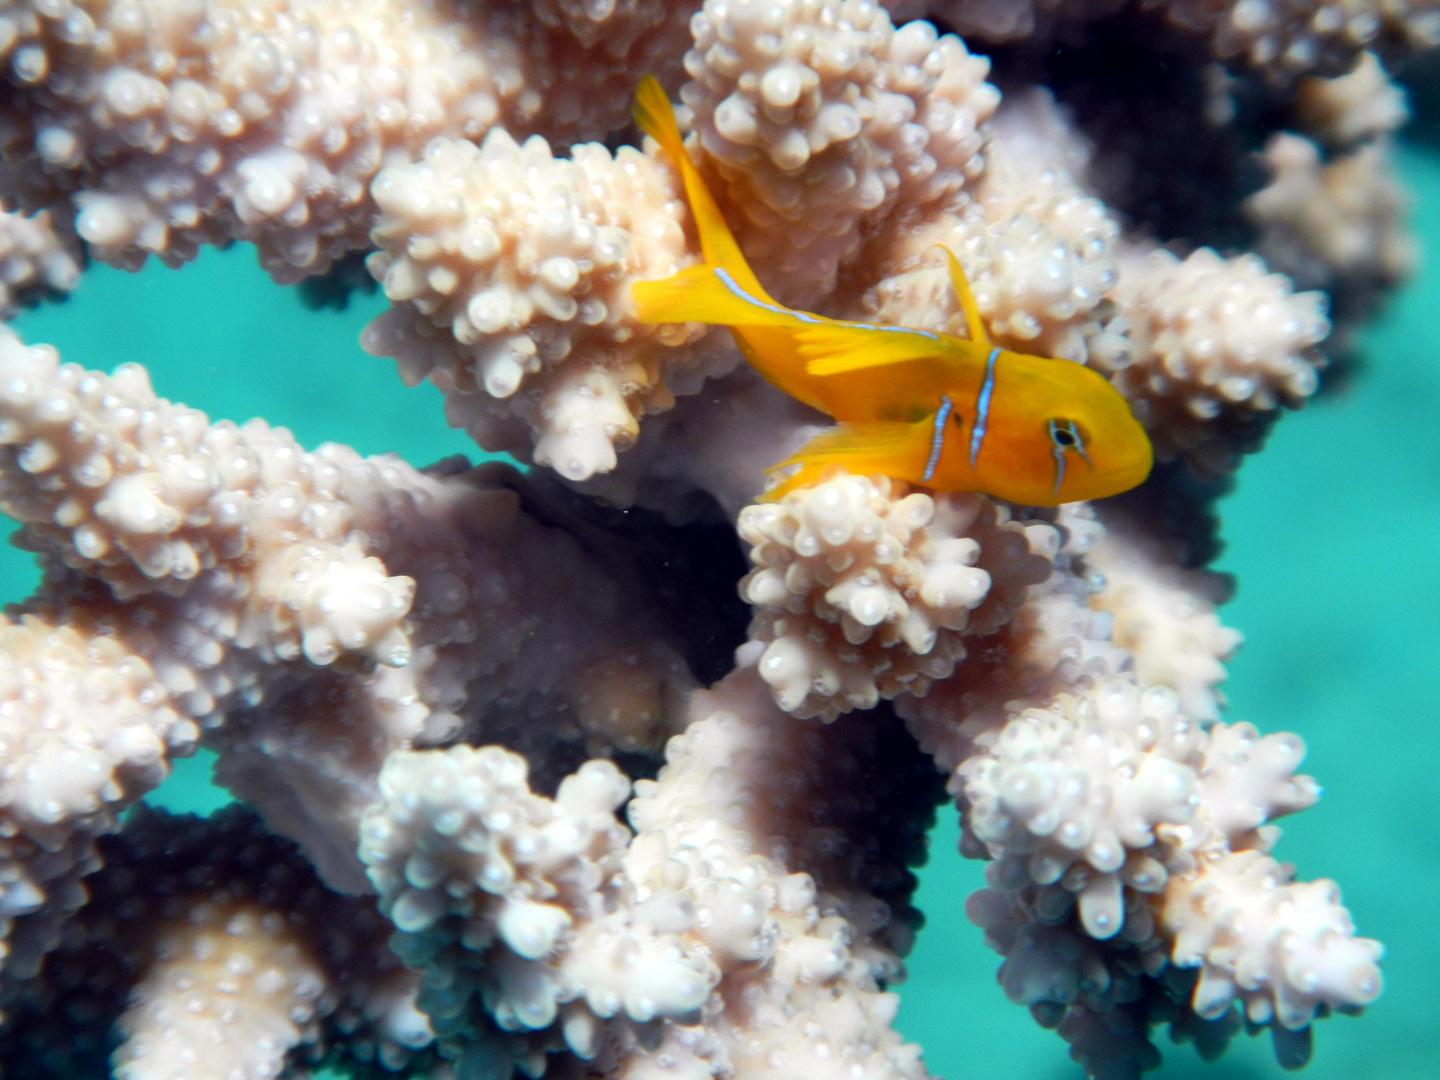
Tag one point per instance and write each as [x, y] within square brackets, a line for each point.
[214, 951]
[197, 124]
[862, 591]
[1113, 818]
[510, 271]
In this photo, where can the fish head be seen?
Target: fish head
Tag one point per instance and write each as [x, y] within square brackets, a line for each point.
[1059, 432]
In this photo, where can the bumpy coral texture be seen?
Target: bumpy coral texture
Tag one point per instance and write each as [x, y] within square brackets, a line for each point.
[34, 260]
[1295, 36]
[256, 967]
[1324, 222]
[220, 949]
[863, 592]
[1112, 816]
[244, 564]
[150, 496]
[211, 121]
[508, 902]
[739, 839]
[1165, 615]
[495, 822]
[823, 119]
[86, 729]
[1215, 339]
[1280, 37]
[1339, 225]
[1036, 248]
[1333, 215]
[1352, 108]
[193, 124]
[510, 271]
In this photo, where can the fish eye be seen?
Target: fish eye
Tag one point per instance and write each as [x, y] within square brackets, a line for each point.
[1065, 435]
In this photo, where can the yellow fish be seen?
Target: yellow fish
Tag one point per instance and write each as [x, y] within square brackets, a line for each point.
[945, 412]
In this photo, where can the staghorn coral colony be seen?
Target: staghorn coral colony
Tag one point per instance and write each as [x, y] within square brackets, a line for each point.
[521, 790]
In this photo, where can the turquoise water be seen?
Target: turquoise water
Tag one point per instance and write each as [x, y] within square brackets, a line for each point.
[1333, 532]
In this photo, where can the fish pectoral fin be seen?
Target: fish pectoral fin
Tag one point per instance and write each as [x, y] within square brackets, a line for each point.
[697, 294]
[840, 347]
[886, 448]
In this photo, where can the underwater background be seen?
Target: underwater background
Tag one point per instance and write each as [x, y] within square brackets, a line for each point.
[1333, 533]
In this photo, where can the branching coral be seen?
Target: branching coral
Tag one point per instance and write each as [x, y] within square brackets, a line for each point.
[1281, 37]
[511, 274]
[1037, 248]
[255, 564]
[195, 124]
[807, 100]
[1218, 340]
[863, 592]
[496, 823]
[86, 728]
[33, 260]
[1112, 817]
[1164, 614]
[513, 906]
[228, 941]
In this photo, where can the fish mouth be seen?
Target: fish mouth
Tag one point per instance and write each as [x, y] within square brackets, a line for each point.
[1131, 476]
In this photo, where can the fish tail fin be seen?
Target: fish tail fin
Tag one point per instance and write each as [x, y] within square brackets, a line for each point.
[891, 449]
[655, 116]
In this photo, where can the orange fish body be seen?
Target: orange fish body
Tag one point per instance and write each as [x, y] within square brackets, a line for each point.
[945, 412]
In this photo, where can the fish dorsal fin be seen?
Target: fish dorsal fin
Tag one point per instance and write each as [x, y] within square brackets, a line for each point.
[699, 294]
[835, 348]
[973, 322]
[654, 115]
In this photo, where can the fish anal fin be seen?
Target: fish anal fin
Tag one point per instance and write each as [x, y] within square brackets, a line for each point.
[802, 477]
[696, 294]
[884, 448]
